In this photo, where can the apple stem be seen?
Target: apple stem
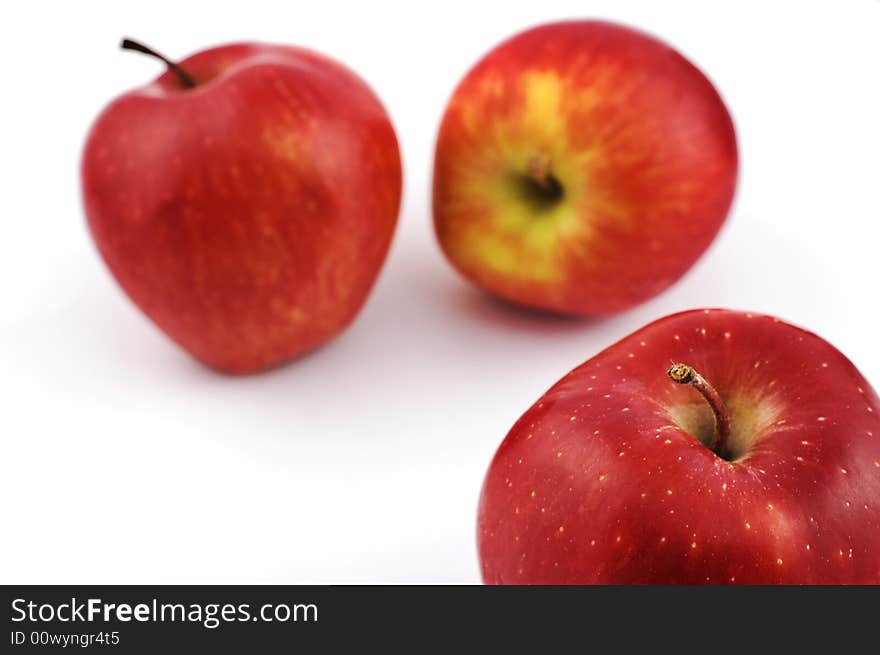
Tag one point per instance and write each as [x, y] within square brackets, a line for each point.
[544, 183]
[684, 374]
[538, 168]
[188, 80]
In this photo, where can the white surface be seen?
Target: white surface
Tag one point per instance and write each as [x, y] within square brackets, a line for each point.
[125, 462]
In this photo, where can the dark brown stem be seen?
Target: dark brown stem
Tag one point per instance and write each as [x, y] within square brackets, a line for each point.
[188, 80]
[684, 374]
[541, 183]
[538, 168]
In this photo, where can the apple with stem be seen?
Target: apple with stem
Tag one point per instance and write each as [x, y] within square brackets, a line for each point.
[245, 200]
[710, 446]
[582, 167]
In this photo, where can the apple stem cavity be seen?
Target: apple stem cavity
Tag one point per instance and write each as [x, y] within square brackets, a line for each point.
[188, 81]
[684, 374]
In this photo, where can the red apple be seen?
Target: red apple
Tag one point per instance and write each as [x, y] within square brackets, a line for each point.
[573, 156]
[245, 200]
[762, 466]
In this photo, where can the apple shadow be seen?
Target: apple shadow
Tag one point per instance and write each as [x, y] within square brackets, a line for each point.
[476, 304]
[420, 271]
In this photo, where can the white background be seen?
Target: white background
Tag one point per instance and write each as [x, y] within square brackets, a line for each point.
[124, 462]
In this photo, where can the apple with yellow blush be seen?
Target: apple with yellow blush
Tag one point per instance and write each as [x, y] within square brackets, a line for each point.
[582, 167]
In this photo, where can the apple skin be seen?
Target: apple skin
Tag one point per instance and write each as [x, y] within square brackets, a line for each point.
[248, 217]
[638, 140]
[603, 482]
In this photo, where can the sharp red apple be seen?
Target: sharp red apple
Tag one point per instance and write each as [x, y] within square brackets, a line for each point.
[582, 167]
[245, 200]
[757, 462]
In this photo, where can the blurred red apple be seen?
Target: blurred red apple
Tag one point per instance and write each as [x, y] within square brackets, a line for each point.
[761, 466]
[582, 167]
[245, 200]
